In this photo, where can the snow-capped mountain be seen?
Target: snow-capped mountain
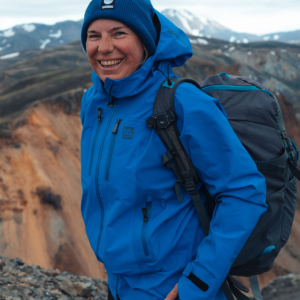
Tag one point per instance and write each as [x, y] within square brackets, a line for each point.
[39, 36]
[203, 27]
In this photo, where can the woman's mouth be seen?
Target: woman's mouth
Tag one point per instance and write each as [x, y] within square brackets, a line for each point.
[110, 64]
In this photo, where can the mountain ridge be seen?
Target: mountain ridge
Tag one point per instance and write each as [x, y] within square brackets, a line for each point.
[42, 36]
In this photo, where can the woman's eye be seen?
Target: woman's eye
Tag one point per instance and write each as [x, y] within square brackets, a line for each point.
[120, 33]
[93, 36]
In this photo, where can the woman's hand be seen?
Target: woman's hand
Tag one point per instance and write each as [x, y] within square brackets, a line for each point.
[173, 294]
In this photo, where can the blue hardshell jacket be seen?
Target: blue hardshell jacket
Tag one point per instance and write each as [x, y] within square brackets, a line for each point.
[124, 182]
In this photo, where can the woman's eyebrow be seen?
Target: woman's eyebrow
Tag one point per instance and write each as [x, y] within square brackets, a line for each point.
[115, 28]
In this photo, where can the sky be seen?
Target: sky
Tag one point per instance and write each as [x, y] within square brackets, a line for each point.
[255, 16]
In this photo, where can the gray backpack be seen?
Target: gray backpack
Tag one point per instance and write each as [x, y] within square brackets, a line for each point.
[255, 116]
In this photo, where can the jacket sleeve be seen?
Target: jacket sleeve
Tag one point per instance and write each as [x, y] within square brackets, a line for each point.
[231, 176]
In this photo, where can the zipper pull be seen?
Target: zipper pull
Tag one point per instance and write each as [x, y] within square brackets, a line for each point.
[145, 213]
[116, 126]
[99, 114]
[112, 102]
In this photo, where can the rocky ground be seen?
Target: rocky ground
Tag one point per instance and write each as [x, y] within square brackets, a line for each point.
[283, 288]
[19, 281]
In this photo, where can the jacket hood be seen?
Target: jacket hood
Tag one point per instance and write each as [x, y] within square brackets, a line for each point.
[173, 48]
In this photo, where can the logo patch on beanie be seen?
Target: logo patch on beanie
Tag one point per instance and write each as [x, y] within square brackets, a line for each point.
[108, 4]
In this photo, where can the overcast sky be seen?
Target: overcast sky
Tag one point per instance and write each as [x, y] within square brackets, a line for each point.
[255, 16]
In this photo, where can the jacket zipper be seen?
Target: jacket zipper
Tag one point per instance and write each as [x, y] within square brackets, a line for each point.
[146, 214]
[118, 298]
[111, 149]
[97, 176]
[95, 138]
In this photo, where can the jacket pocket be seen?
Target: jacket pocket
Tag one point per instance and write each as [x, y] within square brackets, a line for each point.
[93, 147]
[146, 216]
[111, 149]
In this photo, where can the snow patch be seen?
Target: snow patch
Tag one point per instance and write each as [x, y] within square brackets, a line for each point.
[231, 49]
[4, 41]
[184, 22]
[238, 41]
[232, 39]
[29, 27]
[225, 46]
[202, 41]
[196, 32]
[203, 20]
[276, 37]
[272, 52]
[266, 38]
[57, 35]
[249, 53]
[227, 54]
[193, 42]
[187, 14]
[283, 50]
[11, 55]
[298, 54]
[61, 41]
[1, 49]
[8, 33]
[246, 41]
[8, 45]
[208, 36]
[44, 43]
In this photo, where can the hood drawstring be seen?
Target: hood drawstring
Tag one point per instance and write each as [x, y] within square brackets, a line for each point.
[169, 80]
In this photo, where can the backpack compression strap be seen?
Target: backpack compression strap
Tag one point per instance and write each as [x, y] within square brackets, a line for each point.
[177, 159]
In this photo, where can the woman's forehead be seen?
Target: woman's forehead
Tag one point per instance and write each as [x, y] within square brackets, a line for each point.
[106, 25]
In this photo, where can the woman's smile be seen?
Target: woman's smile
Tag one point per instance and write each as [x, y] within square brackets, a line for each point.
[109, 64]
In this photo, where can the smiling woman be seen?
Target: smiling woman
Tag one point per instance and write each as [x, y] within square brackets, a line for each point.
[113, 49]
[152, 245]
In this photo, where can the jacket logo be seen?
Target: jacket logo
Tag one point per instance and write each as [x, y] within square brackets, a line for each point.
[174, 33]
[108, 4]
[127, 132]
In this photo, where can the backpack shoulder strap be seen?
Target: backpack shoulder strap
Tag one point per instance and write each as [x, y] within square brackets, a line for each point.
[176, 157]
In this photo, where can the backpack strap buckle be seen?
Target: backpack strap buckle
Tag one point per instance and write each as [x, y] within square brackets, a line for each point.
[161, 121]
[190, 187]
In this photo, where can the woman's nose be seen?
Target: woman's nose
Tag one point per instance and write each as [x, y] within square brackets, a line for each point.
[105, 45]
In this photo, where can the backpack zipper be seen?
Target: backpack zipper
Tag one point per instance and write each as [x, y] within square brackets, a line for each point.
[97, 175]
[95, 138]
[230, 88]
[111, 149]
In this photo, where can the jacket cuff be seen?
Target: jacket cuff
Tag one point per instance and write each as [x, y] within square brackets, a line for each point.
[190, 286]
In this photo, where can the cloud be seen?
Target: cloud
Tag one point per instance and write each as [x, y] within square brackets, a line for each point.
[257, 16]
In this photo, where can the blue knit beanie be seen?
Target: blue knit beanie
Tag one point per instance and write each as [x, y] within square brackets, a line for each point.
[136, 14]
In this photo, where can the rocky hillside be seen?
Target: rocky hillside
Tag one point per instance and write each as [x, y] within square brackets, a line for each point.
[40, 93]
[19, 281]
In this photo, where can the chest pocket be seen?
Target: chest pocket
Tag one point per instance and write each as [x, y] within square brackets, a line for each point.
[122, 152]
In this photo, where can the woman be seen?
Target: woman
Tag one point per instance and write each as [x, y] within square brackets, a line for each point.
[147, 240]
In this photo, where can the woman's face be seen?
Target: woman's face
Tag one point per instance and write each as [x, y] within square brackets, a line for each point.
[113, 49]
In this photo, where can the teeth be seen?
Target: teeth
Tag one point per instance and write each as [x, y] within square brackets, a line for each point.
[110, 62]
